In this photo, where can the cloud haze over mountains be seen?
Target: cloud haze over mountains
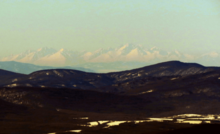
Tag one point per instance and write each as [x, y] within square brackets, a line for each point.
[130, 55]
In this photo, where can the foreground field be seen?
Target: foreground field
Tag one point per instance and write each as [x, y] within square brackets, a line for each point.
[44, 121]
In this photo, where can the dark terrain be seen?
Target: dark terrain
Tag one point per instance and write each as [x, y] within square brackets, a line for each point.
[47, 101]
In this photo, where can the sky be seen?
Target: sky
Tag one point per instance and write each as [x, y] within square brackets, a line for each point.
[186, 25]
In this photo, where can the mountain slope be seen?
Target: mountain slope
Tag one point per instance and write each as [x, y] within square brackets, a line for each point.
[82, 80]
[181, 91]
[7, 76]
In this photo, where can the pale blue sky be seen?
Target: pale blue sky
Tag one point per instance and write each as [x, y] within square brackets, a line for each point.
[91, 24]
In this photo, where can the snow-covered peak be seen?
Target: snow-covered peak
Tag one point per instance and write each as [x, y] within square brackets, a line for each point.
[133, 53]
[154, 48]
[99, 50]
[126, 53]
[212, 54]
[38, 50]
[61, 50]
[123, 47]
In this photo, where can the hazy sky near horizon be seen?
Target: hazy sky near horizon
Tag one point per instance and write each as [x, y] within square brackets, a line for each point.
[92, 24]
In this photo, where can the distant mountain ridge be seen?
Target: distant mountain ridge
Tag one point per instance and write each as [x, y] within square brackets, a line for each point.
[124, 57]
[26, 68]
[71, 78]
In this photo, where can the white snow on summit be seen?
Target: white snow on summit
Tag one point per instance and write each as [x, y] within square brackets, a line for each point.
[54, 59]
[123, 53]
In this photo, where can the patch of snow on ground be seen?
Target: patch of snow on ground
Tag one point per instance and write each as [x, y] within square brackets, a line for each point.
[76, 131]
[207, 122]
[93, 124]
[192, 122]
[160, 119]
[139, 121]
[82, 118]
[14, 80]
[183, 118]
[58, 73]
[102, 122]
[12, 85]
[114, 123]
[186, 115]
[149, 91]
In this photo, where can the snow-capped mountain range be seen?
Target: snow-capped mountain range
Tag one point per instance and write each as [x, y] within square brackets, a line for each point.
[125, 54]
